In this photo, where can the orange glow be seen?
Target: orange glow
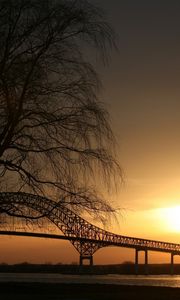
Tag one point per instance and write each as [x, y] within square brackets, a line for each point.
[170, 217]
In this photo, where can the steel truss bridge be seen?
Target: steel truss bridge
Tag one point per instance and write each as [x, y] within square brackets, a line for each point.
[84, 236]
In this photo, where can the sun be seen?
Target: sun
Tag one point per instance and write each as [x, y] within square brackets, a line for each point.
[171, 218]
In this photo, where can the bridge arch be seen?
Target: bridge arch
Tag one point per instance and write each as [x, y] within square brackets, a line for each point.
[69, 223]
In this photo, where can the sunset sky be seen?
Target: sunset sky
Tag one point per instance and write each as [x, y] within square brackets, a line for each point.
[141, 90]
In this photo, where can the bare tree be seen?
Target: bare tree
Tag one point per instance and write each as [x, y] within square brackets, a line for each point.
[54, 133]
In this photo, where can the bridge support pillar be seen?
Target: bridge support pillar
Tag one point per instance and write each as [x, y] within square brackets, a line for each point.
[146, 262]
[136, 261]
[82, 258]
[172, 263]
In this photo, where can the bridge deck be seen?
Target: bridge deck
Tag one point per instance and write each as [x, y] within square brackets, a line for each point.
[118, 240]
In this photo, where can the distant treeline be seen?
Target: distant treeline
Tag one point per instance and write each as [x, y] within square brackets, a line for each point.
[124, 268]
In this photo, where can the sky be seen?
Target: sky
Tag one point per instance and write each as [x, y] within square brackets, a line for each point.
[141, 90]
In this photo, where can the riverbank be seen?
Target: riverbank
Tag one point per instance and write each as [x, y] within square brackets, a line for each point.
[51, 291]
[127, 268]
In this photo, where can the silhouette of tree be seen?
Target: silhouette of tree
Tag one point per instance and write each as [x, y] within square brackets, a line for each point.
[54, 133]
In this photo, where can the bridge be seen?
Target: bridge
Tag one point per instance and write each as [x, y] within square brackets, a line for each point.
[84, 236]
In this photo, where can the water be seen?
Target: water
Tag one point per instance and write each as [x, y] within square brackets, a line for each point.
[150, 280]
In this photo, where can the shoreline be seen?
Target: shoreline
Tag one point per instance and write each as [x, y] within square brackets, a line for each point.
[74, 269]
[68, 291]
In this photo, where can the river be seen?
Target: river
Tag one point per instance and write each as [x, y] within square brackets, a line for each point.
[150, 280]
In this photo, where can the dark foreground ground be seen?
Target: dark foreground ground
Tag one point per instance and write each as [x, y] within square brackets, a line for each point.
[33, 291]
